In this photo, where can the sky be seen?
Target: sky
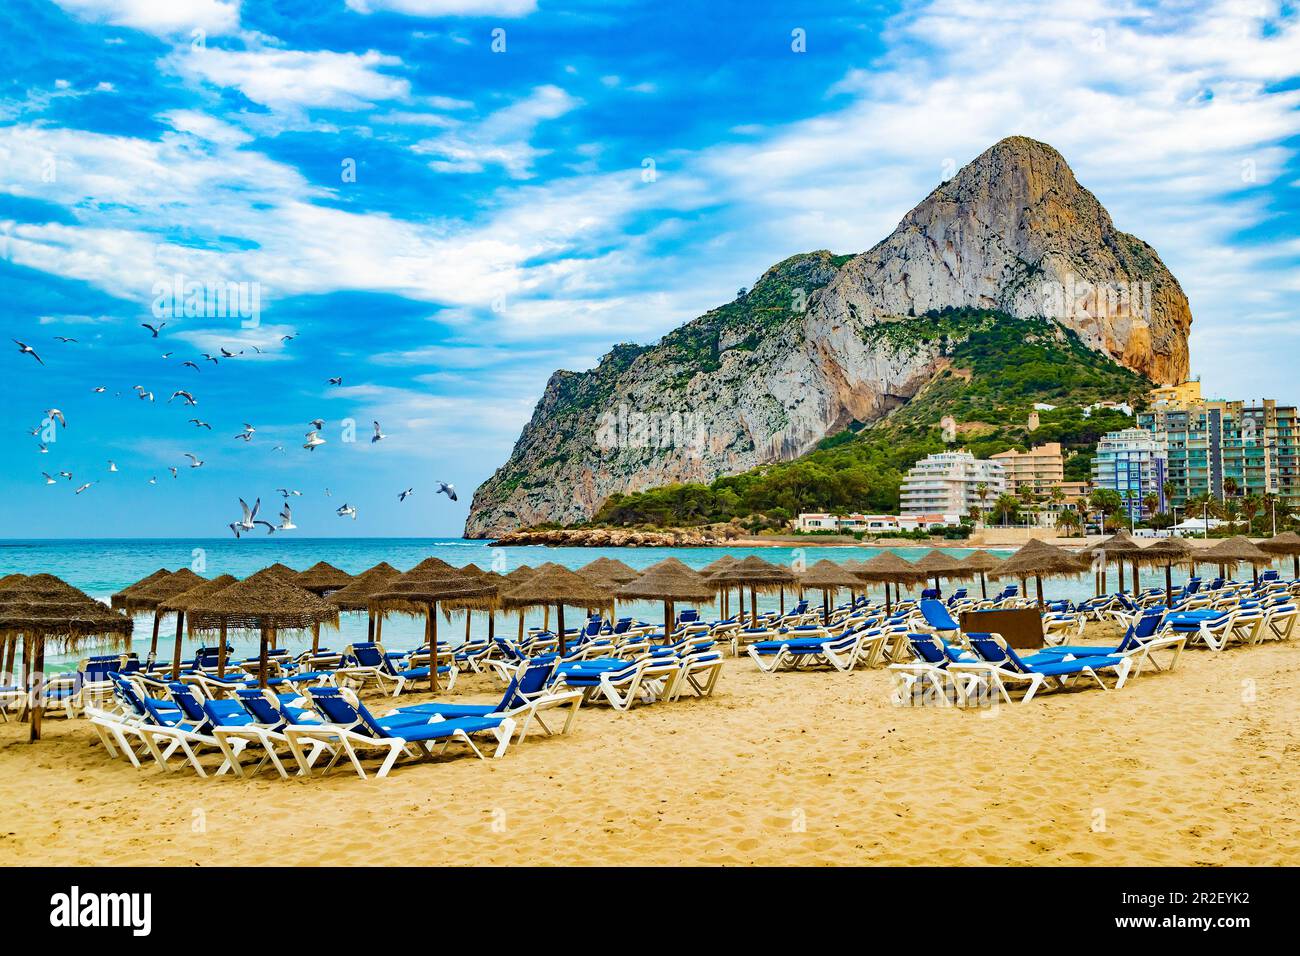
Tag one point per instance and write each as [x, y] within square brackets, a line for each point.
[443, 201]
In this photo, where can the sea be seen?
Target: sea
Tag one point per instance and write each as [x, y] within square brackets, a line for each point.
[101, 567]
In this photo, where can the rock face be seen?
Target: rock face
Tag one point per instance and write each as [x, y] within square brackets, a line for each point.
[764, 378]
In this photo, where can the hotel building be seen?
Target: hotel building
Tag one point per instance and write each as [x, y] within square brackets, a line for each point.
[949, 482]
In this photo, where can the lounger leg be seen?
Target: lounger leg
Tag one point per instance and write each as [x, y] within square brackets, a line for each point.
[1035, 681]
[394, 751]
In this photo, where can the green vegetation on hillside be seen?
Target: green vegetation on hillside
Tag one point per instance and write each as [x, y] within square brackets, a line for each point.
[998, 368]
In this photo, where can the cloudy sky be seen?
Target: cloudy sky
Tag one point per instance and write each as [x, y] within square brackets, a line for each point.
[443, 201]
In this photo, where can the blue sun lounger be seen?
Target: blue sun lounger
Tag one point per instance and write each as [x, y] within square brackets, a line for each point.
[1140, 641]
[1001, 665]
[349, 727]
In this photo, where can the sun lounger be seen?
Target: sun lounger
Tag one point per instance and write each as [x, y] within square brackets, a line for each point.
[349, 727]
[1003, 666]
[1139, 643]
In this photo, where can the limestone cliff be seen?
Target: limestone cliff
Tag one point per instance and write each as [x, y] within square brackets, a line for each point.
[764, 378]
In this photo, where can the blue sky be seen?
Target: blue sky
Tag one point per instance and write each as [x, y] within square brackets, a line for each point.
[443, 223]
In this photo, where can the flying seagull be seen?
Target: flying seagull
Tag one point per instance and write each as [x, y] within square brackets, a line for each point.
[209, 358]
[286, 492]
[336, 381]
[312, 441]
[287, 338]
[189, 399]
[317, 423]
[66, 474]
[195, 461]
[100, 388]
[378, 435]
[286, 519]
[83, 487]
[112, 465]
[49, 480]
[168, 355]
[250, 519]
[247, 433]
[172, 469]
[54, 415]
[153, 480]
[446, 489]
[191, 365]
[146, 325]
[199, 423]
[347, 511]
[402, 496]
[226, 353]
[26, 349]
[65, 340]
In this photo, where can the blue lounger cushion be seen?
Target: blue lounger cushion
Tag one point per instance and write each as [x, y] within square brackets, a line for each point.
[440, 728]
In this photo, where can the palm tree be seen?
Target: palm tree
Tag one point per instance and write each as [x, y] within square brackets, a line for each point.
[1150, 503]
[982, 492]
[1006, 506]
[1068, 520]
[1229, 486]
[1251, 505]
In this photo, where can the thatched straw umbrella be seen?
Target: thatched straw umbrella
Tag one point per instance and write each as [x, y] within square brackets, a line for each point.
[721, 564]
[419, 591]
[513, 578]
[264, 602]
[757, 575]
[938, 564]
[1166, 553]
[281, 570]
[1119, 547]
[981, 563]
[117, 601]
[669, 581]
[889, 568]
[1230, 552]
[43, 608]
[322, 578]
[151, 596]
[356, 594]
[612, 569]
[180, 604]
[8, 645]
[827, 576]
[1038, 559]
[553, 584]
[1286, 543]
[473, 571]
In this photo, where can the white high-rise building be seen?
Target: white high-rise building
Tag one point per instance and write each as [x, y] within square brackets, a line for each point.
[948, 483]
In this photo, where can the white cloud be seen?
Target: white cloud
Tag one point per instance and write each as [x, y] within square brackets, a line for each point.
[501, 138]
[162, 18]
[293, 79]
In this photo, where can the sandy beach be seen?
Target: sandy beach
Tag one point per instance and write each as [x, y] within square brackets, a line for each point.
[1189, 768]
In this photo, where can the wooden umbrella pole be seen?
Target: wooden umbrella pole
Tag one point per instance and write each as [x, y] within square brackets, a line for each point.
[261, 656]
[1038, 581]
[668, 621]
[521, 626]
[753, 604]
[1169, 584]
[38, 689]
[1120, 567]
[26, 682]
[492, 626]
[783, 599]
[431, 635]
[315, 639]
[370, 626]
[176, 651]
[379, 628]
[984, 588]
[221, 651]
[7, 664]
[826, 606]
[559, 622]
[468, 617]
[1295, 566]
[153, 644]
[1137, 580]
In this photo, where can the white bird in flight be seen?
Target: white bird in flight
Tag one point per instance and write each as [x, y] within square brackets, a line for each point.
[317, 423]
[99, 388]
[378, 435]
[112, 465]
[402, 496]
[250, 519]
[285, 492]
[172, 469]
[312, 441]
[54, 415]
[286, 519]
[336, 381]
[199, 423]
[446, 489]
[26, 349]
[66, 474]
[49, 480]
[180, 392]
[247, 433]
[83, 487]
[161, 326]
[195, 461]
[347, 511]
[64, 339]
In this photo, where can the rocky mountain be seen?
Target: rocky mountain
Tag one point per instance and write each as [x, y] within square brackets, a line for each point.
[807, 351]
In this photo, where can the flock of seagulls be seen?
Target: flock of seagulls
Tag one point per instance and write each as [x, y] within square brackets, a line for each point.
[249, 519]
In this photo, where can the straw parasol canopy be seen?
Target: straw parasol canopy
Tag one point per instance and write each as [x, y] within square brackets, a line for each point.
[281, 569]
[757, 575]
[419, 591]
[827, 576]
[264, 602]
[1166, 553]
[44, 608]
[322, 577]
[721, 564]
[179, 604]
[1230, 552]
[356, 594]
[1119, 548]
[938, 564]
[669, 581]
[981, 563]
[1288, 542]
[1038, 559]
[612, 569]
[888, 568]
[118, 600]
[555, 585]
[150, 596]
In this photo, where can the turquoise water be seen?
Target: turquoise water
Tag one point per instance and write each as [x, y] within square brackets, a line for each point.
[102, 566]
